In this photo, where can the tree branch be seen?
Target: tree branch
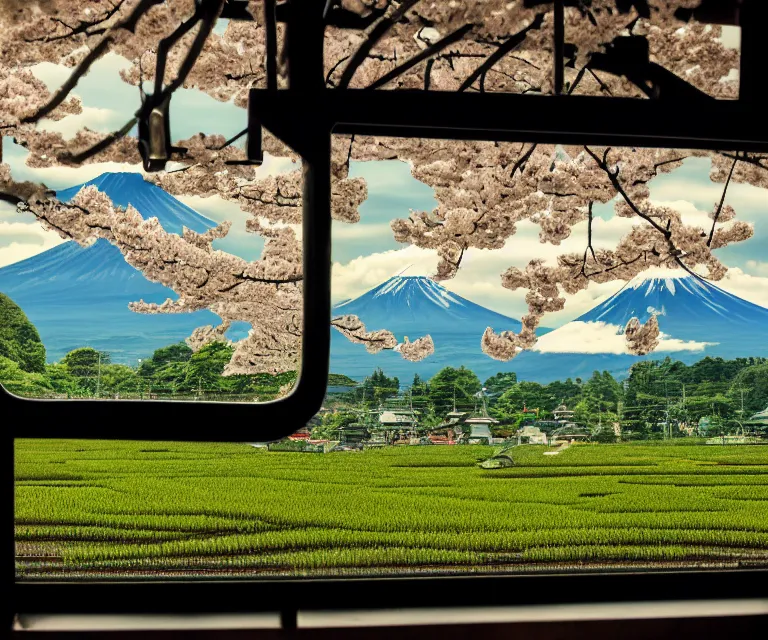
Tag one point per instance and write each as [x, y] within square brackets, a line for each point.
[520, 164]
[129, 24]
[722, 202]
[431, 50]
[613, 177]
[164, 46]
[101, 145]
[510, 44]
[589, 248]
[376, 34]
[81, 28]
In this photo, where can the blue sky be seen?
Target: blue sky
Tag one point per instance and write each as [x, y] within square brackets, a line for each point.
[365, 254]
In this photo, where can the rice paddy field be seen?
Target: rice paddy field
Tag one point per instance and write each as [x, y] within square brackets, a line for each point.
[113, 509]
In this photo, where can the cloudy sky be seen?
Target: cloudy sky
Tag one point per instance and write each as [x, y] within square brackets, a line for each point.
[366, 254]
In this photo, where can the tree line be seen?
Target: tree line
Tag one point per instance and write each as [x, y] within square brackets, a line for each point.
[658, 399]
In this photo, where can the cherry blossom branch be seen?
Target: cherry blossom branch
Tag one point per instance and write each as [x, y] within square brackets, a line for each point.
[722, 202]
[431, 50]
[165, 44]
[206, 13]
[99, 146]
[376, 34]
[352, 328]
[129, 24]
[80, 28]
[754, 161]
[589, 242]
[509, 45]
[613, 176]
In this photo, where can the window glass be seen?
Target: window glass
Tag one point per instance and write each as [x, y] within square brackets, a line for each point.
[121, 283]
[543, 359]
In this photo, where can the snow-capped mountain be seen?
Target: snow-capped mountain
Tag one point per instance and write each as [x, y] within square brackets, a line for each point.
[414, 306]
[405, 304]
[78, 296]
[696, 319]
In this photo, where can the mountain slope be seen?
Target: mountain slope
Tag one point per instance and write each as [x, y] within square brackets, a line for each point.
[696, 319]
[686, 306]
[414, 306]
[79, 296]
[408, 303]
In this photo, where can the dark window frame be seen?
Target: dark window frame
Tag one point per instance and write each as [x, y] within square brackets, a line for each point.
[305, 115]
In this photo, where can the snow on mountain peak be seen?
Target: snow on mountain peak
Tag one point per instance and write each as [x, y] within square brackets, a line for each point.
[409, 286]
[655, 277]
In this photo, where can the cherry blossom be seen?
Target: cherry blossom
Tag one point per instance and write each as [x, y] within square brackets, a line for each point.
[484, 190]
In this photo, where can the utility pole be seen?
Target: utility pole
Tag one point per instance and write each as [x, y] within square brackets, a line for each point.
[685, 411]
[741, 412]
[620, 415]
[98, 378]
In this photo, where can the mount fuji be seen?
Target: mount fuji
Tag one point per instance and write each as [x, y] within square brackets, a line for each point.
[414, 306]
[78, 296]
[696, 319]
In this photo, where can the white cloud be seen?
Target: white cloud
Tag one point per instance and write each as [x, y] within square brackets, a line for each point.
[361, 274]
[479, 278]
[65, 177]
[601, 337]
[20, 240]
[748, 201]
[343, 231]
[757, 267]
[751, 288]
[95, 118]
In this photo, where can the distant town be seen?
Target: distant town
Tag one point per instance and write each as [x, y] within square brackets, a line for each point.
[721, 402]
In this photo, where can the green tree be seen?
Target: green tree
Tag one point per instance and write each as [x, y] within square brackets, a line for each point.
[174, 353]
[500, 382]
[449, 381]
[330, 423]
[377, 387]
[604, 434]
[85, 362]
[19, 339]
[119, 379]
[62, 381]
[559, 392]
[20, 382]
[752, 383]
[206, 366]
[523, 395]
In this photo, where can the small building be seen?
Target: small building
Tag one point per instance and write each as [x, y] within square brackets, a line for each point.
[758, 423]
[570, 433]
[353, 433]
[531, 435]
[396, 424]
[480, 428]
[563, 414]
[302, 434]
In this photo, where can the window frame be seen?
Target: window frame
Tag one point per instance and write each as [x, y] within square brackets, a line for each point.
[716, 125]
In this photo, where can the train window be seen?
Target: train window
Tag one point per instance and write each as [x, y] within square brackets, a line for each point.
[505, 316]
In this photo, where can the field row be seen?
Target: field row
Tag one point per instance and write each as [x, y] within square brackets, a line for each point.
[91, 506]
